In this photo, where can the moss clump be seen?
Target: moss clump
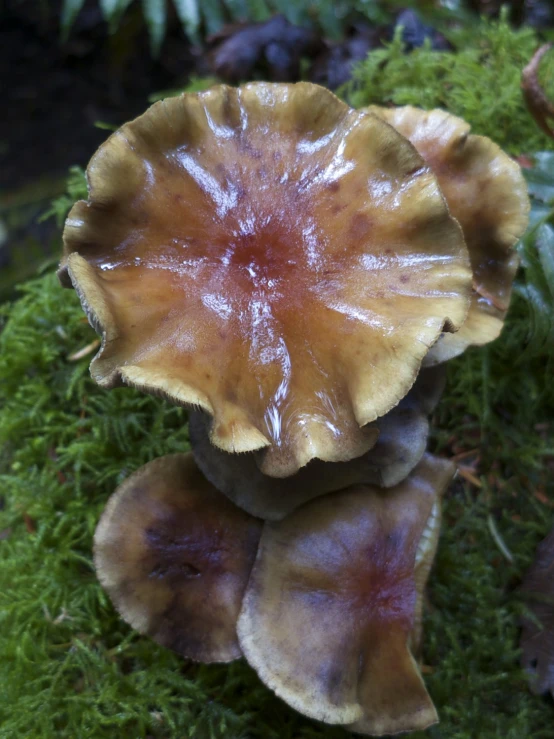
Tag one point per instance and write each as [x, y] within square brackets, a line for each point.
[70, 668]
[480, 83]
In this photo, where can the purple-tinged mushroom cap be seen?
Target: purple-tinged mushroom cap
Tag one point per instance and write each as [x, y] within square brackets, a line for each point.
[175, 555]
[329, 614]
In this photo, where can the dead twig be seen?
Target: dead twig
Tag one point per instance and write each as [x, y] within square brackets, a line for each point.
[498, 540]
[88, 349]
[464, 455]
[539, 105]
[468, 474]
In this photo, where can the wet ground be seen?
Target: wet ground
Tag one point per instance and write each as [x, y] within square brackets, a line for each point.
[53, 93]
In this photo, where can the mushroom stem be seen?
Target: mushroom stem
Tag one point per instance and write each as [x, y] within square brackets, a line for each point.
[401, 443]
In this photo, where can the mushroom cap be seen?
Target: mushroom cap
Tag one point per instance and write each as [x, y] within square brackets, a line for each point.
[271, 256]
[486, 192]
[428, 388]
[425, 556]
[537, 634]
[328, 613]
[174, 556]
[403, 434]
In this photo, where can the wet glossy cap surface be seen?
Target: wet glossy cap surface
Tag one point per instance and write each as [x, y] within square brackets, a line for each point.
[272, 256]
[486, 192]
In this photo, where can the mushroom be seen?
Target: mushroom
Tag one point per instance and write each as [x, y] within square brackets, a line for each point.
[486, 192]
[272, 257]
[537, 634]
[402, 441]
[174, 556]
[333, 600]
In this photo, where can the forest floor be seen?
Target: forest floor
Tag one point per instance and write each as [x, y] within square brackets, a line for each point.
[69, 667]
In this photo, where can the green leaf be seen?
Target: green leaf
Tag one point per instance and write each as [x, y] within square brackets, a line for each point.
[105, 126]
[258, 10]
[112, 10]
[195, 84]
[108, 8]
[540, 179]
[213, 15]
[372, 9]
[535, 250]
[238, 10]
[296, 13]
[189, 15]
[489, 54]
[544, 160]
[330, 20]
[155, 15]
[70, 10]
[545, 248]
[539, 212]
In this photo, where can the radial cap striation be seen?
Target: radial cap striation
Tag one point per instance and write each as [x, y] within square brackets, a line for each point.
[271, 256]
[333, 604]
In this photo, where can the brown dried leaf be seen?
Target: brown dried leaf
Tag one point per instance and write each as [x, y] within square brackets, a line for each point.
[30, 523]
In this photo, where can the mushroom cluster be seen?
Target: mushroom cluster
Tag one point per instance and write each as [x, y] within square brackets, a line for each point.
[295, 272]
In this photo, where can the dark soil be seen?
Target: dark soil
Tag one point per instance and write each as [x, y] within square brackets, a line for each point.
[54, 92]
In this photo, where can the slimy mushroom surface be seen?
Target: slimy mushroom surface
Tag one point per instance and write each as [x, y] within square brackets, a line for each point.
[174, 556]
[271, 256]
[403, 434]
[486, 192]
[333, 599]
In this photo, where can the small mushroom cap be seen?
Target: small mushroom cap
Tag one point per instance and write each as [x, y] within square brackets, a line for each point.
[483, 324]
[271, 256]
[537, 635]
[174, 556]
[403, 434]
[328, 613]
[486, 192]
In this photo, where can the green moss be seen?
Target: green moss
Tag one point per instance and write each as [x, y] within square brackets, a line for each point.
[70, 668]
[480, 83]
